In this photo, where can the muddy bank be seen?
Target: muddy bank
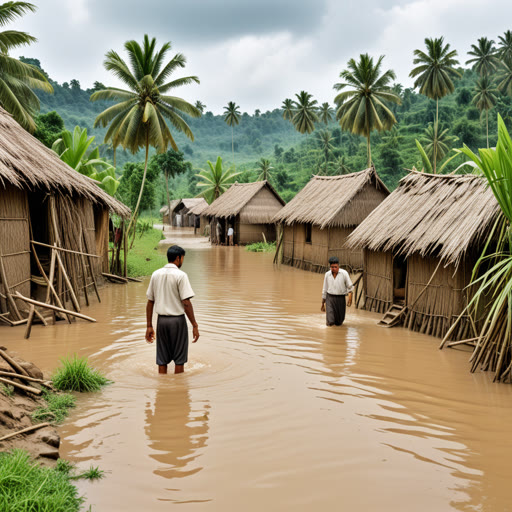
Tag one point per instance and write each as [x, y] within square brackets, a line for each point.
[16, 409]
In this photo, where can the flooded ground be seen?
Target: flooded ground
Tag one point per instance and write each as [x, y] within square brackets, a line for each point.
[277, 411]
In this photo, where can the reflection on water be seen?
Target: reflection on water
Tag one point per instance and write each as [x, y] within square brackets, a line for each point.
[277, 411]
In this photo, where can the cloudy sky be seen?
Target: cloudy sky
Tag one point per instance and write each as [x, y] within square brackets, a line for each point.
[255, 52]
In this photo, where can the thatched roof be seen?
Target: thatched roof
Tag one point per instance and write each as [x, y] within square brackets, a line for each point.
[188, 204]
[165, 209]
[199, 207]
[258, 202]
[27, 163]
[431, 215]
[324, 199]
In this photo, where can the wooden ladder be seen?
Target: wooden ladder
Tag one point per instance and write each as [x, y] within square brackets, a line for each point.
[392, 315]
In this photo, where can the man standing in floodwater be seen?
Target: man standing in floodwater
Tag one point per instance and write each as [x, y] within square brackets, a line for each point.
[231, 232]
[169, 295]
[337, 285]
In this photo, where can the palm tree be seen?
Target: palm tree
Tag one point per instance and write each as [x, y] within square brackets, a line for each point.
[200, 106]
[326, 113]
[485, 58]
[436, 143]
[485, 98]
[305, 116]
[325, 142]
[287, 107]
[215, 180]
[18, 79]
[232, 117]
[505, 47]
[504, 78]
[340, 165]
[264, 170]
[435, 72]
[362, 108]
[139, 118]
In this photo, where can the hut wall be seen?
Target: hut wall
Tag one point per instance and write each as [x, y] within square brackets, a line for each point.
[350, 259]
[261, 208]
[364, 202]
[288, 244]
[315, 253]
[434, 309]
[294, 244]
[101, 225]
[14, 243]
[378, 280]
[250, 233]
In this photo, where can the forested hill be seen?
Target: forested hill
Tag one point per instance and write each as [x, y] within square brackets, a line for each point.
[296, 157]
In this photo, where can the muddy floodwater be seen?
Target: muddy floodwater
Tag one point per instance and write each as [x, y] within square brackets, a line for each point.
[277, 411]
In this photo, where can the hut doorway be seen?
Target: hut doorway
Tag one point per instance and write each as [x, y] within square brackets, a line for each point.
[399, 278]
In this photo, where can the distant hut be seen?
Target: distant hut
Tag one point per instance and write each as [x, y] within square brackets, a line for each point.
[44, 201]
[249, 208]
[420, 247]
[318, 220]
[200, 220]
[184, 207]
[164, 211]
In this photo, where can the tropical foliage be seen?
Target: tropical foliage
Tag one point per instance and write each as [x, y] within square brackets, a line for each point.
[215, 180]
[232, 118]
[264, 169]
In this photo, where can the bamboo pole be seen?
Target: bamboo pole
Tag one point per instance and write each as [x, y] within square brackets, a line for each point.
[26, 430]
[3, 276]
[55, 308]
[25, 378]
[29, 389]
[74, 300]
[14, 365]
[29, 321]
[51, 277]
[64, 250]
[114, 277]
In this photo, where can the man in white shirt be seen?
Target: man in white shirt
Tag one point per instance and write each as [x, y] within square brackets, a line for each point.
[169, 295]
[337, 285]
[231, 232]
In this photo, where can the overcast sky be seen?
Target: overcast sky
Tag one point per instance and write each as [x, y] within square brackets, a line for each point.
[255, 52]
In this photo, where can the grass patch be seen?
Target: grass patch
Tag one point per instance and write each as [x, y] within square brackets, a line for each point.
[56, 409]
[76, 374]
[27, 487]
[7, 390]
[93, 473]
[261, 247]
[145, 257]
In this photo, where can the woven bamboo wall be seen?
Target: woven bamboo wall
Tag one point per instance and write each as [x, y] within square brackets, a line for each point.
[14, 243]
[101, 220]
[378, 280]
[250, 233]
[287, 244]
[350, 259]
[315, 253]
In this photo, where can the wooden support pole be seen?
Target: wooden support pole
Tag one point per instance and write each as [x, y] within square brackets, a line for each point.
[64, 250]
[26, 430]
[30, 389]
[51, 276]
[55, 308]
[12, 375]
[74, 300]
[3, 276]
[114, 277]
[29, 321]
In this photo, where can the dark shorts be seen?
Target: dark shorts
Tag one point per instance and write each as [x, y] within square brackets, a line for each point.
[335, 306]
[171, 340]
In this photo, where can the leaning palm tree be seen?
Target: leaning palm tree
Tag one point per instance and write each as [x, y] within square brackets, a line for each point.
[215, 180]
[485, 98]
[264, 169]
[435, 72]
[325, 142]
[232, 117]
[485, 60]
[139, 117]
[287, 107]
[18, 79]
[505, 47]
[325, 113]
[365, 90]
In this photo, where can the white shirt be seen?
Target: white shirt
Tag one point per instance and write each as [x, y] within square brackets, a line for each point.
[168, 287]
[230, 232]
[341, 285]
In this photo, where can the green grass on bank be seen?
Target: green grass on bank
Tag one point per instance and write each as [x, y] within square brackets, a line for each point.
[261, 247]
[145, 257]
[75, 374]
[56, 408]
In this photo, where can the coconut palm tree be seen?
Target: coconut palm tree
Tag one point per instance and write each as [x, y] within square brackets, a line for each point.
[365, 90]
[325, 113]
[287, 107]
[484, 59]
[435, 72]
[232, 117]
[200, 106]
[325, 139]
[18, 79]
[505, 47]
[139, 117]
[215, 180]
[340, 165]
[264, 170]
[437, 142]
[504, 78]
[485, 98]
[305, 116]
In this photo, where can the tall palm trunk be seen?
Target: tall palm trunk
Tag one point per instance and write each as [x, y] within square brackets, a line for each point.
[168, 198]
[134, 214]
[369, 150]
[435, 136]
[233, 145]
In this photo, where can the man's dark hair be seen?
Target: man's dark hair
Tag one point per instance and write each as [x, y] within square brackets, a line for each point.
[332, 260]
[174, 252]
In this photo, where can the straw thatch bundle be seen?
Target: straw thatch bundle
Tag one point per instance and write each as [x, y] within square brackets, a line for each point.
[27, 164]
[324, 200]
[256, 203]
[430, 215]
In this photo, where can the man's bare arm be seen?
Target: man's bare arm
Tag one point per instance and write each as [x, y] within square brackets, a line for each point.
[150, 332]
[189, 311]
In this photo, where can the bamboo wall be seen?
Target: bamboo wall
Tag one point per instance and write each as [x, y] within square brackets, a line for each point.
[250, 233]
[378, 280]
[350, 259]
[14, 245]
[101, 225]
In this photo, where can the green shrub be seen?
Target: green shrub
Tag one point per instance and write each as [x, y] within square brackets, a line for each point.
[93, 473]
[56, 409]
[75, 374]
[27, 487]
[261, 247]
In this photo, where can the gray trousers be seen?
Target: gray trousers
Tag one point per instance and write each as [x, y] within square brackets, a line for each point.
[171, 340]
[335, 306]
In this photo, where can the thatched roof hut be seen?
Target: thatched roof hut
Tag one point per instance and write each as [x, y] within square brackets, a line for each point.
[184, 209]
[164, 211]
[319, 218]
[43, 200]
[249, 208]
[421, 245]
